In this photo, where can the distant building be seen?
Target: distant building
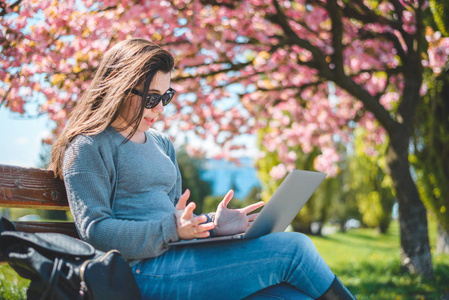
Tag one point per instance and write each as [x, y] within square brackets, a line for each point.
[224, 175]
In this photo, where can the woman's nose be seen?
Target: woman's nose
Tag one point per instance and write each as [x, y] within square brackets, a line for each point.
[158, 108]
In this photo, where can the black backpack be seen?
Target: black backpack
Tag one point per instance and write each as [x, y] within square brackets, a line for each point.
[62, 267]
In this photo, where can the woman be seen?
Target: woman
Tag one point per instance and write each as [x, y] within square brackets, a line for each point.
[124, 190]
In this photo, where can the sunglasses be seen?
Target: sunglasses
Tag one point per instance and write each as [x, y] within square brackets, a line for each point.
[154, 99]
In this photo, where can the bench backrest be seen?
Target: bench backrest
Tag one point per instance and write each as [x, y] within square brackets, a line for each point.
[34, 188]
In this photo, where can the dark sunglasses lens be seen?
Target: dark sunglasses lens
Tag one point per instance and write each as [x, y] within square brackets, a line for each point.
[166, 98]
[152, 104]
[152, 101]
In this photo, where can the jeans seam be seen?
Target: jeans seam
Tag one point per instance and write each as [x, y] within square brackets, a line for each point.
[197, 272]
[311, 281]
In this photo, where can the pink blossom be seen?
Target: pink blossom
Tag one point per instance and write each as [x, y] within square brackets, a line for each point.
[206, 40]
[278, 172]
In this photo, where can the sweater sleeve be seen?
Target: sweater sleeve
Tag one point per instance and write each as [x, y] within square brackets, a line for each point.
[89, 176]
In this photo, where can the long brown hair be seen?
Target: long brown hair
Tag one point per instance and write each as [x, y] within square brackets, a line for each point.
[123, 67]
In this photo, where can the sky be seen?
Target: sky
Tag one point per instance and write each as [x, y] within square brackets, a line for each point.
[20, 138]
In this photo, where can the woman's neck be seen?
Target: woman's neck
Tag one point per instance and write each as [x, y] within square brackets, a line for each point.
[138, 137]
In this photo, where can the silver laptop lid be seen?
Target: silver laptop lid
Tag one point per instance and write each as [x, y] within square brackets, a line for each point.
[289, 198]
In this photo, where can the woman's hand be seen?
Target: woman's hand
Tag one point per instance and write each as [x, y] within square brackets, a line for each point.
[233, 221]
[187, 225]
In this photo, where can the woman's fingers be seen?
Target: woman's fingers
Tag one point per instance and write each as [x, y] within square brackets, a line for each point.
[195, 221]
[252, 207]
[227, 198]
[188, 211]
[183, 200]
[252, 217]
[202, 231]
[201, 235]
[195, 228]
[204, 227]
[188, 226]
[198, 223]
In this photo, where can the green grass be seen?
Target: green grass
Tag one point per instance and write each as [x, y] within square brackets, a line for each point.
[368, 263]
[11, 285]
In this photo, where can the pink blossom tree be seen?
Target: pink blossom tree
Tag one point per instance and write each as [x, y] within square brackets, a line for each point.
[309, 70]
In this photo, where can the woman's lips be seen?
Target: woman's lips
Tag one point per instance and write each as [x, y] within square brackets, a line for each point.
[150, 121]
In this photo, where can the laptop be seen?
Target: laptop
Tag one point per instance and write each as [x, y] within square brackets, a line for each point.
[275, 216]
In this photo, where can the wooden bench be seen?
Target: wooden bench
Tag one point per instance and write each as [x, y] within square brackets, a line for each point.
[38, 189]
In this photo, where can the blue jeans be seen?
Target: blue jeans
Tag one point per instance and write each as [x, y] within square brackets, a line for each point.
[276, 264]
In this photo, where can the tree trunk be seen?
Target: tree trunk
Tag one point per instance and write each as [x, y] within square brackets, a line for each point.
[383, 227]
[442, 246]
[415, 248]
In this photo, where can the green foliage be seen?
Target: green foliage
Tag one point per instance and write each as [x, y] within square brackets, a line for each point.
[344, 206]
[370, 185]
[254, 196]
[431, 145]
[191, 179]
[12, 286]
[211, 202]
[337, 200]
[333, 200]
[439, 11]
[15, 213]
[314, 206]
[264, 165]
[361, 189]
[54, 215]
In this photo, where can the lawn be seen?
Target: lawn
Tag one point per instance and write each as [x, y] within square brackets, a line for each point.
[11, 285]
[368, 263]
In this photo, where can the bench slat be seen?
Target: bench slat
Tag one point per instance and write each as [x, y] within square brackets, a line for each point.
[31, 188]
[38, 189]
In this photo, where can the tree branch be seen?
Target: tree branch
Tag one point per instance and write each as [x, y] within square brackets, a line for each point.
[231, 4]
[292, 38]
[390, 37]
[390, 71]
[11, 7]
[319, 63]
[303, 24]
[370, 17]
[370, 102]
[334, 12]
[245, 77]
[5, 96]
[384, 90]
[234, 67]
[398, 7]
[301, 87]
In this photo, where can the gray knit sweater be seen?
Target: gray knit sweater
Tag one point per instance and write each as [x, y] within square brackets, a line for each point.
[143, 183]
